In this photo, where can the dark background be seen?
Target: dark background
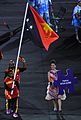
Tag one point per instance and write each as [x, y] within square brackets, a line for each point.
[66, 51]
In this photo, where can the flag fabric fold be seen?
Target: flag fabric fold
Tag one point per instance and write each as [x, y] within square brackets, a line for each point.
[38, 30]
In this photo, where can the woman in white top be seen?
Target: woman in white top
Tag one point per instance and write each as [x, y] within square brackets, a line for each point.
[53, 92]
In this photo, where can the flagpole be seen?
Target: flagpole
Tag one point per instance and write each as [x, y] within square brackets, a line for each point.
[21, 38]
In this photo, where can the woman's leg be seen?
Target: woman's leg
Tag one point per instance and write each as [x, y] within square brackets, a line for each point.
[59, 105]
[55, 105]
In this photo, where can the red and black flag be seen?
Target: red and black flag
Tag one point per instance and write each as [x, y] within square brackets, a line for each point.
[38, 30]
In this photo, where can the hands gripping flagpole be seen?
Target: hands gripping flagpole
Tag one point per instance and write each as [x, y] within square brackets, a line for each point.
[21, 38]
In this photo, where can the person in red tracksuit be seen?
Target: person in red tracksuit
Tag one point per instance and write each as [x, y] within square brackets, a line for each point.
[12, 99]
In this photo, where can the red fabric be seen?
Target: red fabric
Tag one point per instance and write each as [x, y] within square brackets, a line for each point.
[8, 81]
[17, 74]
[46, 33]
[6, 71]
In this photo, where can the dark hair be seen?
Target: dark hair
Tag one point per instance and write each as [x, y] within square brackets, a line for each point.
[52, 61]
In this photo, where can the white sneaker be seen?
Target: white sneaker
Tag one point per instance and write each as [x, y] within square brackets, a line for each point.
[7, 112]
[15, 115]
[55, 109]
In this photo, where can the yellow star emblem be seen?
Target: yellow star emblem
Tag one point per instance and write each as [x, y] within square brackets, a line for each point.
[47, 29]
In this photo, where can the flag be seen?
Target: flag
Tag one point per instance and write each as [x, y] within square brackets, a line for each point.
[38, 30]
